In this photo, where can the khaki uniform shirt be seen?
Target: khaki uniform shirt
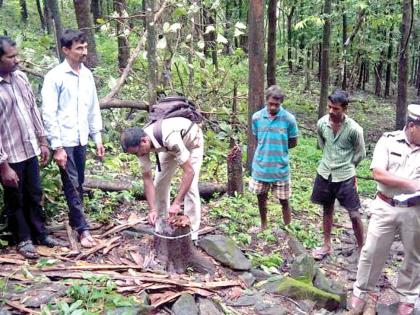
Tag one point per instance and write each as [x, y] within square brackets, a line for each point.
[173, 141]
[394, 154]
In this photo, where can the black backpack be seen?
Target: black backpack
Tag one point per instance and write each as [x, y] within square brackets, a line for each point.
[169, 107]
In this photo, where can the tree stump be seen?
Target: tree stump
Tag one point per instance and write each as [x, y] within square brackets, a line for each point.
[175, 248]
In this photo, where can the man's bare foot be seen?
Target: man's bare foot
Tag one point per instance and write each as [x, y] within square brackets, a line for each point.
[86, 240]
[257, 229]
[287, 216]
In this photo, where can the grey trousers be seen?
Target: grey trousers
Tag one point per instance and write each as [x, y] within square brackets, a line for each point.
[385, 223]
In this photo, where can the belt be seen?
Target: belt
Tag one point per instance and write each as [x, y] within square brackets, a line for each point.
[396, 203]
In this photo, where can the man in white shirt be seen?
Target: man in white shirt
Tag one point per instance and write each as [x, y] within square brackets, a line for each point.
[71, 114]
[183, 145]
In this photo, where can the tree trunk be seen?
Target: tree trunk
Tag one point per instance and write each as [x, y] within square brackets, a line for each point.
[23, 11]
[56, 23]
[388, 66]
[271, 42]
[256, 68]
[401, 104]
[85, 24]
[175, 249]
[234, 158]
[123, 45]
[344, 81]
[40, 14]
[96, 10]
[378, 77]
[289, 38]
[325, 61]
[418, 78]
[307, 71]
[319, 61]
[151, 50]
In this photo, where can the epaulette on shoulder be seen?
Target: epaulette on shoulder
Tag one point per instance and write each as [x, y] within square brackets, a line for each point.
[390, 134]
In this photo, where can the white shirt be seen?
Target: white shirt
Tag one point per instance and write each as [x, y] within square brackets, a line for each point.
[70, 107]
[173, 142]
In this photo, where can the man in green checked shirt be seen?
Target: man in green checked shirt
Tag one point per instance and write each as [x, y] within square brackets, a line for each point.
[341, 139]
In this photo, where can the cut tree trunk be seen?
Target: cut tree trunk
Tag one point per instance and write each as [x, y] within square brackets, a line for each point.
[175, 249]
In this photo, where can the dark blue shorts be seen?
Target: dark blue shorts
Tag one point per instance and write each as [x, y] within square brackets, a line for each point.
[325, 192]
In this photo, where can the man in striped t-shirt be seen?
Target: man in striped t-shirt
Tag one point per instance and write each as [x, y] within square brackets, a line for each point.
[342, 142]
[276, 131]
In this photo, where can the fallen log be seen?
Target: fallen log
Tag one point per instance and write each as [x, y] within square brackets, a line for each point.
[113, 103]
[207, 190]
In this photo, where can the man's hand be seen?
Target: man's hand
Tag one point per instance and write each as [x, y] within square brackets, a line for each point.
[174, 209]
[416, 185]
[60, 157]
[45, 155]
[100, 151]
[152, 216]
[8, 176]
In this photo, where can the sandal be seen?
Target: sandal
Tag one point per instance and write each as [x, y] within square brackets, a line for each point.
[27, 250]
[320, 253]
[86, 240]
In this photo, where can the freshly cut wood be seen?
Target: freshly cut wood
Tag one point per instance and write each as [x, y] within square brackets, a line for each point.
[174, 247]
[20, 307]
[89, 267]
[13, 261]
[207, 190]
[97, 247]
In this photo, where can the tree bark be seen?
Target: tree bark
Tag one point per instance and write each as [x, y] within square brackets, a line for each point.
[207, 190]
[325, 60]
[344, 81]
[418, 78]
[40, 14]
[289, 38]
[96, 10]
[403, 54]
[85, 24]
[271, 42]
[120, 7]
[57, 27]
[234, 158]
[378, 77]
[307, 71]
[256, 68]
[388, 65]
[151, 50]
[23, 11]
[175, 249]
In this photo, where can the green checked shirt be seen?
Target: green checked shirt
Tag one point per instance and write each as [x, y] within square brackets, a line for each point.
[341, 152]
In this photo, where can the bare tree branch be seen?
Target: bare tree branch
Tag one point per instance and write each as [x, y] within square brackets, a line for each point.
[356, 28]
[113, 103]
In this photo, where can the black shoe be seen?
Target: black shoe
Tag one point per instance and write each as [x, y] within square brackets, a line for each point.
[51, 241]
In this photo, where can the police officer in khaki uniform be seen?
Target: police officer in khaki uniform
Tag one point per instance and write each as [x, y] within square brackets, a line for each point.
[396, 210]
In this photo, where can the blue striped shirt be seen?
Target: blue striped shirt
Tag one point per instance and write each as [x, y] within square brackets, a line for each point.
[271, 158]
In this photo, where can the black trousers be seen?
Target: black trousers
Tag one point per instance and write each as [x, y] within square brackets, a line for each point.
[23, 204]
[73, 177]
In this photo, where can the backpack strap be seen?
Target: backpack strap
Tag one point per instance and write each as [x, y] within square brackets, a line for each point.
[157, 134]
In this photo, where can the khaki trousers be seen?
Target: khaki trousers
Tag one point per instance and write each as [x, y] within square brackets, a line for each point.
[162, 183]
[385, 223]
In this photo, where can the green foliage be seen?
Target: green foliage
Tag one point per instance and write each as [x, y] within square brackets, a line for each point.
[272, 260]
[92, 295]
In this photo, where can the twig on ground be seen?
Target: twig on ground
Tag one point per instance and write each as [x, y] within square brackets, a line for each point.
[97, 247]
[20, 307]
